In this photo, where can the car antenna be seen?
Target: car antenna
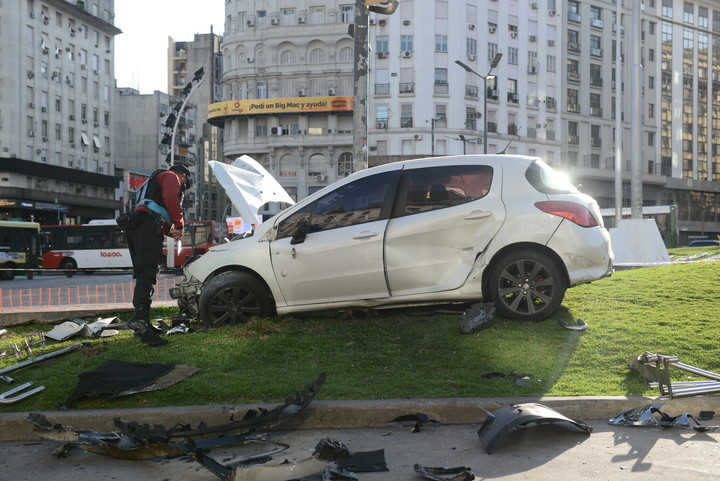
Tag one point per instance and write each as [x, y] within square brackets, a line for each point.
[511, 140]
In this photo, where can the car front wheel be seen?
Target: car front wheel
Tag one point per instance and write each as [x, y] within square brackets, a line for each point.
[233, 298]
[527, 285]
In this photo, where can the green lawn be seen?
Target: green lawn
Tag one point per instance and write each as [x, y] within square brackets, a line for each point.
[670, 310]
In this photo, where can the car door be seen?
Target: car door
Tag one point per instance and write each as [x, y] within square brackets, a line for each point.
[341, 256]
[448, 216]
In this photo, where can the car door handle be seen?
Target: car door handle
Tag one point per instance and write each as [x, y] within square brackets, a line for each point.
[366, 234]
[478, 214]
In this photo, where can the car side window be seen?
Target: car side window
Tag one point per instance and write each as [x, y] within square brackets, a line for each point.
[435, 188]
[288, 227]
[354, 203]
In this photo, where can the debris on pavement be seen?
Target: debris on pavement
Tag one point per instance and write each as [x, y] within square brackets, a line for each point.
[655, 368]
[516, 416]
[133, 440]
[478, 317]
[651, 415]
[416, 421]
[579, 325]
[364, 462]
[460, 473]
[113, 379]
[74, 327]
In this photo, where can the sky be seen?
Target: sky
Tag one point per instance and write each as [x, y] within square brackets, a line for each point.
[141, 50]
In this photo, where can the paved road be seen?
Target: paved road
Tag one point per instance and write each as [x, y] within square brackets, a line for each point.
[538, 453]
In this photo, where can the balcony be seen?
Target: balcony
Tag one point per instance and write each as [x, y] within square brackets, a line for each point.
[597, 82]
[513, 97]
[596, 23]
[596, 52]
[573, 108]
[382, 89]
[550, 103]
[573, 46]
[492, 127]
[471, 91]
[574, 139]
[574, 17]
[406, 122]
[573, 76]
[407, 87]
[492, 94]
[596, 111]
[441, 88]
[595, 142]
[512, 128]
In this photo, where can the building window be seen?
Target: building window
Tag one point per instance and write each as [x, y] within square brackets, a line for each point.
[406, 117]
[347, 13]
[441, 43]
[381, 43]
[471, 46]
[596, 75]
[573, 137]
[573, 70]
[551, 61]
[492, 50]
[406, 43]
[572, 101]
[262, 90]
[512, 55]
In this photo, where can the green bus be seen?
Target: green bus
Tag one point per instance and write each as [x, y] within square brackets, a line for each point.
[19, 248]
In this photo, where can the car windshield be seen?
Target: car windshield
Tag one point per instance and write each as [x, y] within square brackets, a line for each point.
[548, 180]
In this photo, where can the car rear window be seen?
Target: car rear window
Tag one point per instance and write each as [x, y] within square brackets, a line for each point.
[439, 187]
[547, 180]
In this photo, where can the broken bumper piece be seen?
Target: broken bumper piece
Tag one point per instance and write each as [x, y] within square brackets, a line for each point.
[456, 474]
[134, 440]
[651, 415]
[516, 416]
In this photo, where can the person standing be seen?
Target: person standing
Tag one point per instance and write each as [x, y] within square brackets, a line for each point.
[158, 214]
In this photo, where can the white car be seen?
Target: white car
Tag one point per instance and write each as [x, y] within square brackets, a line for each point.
[506, 229]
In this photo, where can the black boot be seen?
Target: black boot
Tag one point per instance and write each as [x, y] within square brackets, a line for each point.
[140, 323]
[151, 338]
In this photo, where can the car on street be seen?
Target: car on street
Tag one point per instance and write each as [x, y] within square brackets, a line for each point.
[506, 229]
[704, 243]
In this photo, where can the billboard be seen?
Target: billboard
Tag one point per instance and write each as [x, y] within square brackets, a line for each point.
[281, 106]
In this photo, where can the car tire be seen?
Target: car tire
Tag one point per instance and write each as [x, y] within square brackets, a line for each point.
[527, 285]
[233, 298]
[69, 266]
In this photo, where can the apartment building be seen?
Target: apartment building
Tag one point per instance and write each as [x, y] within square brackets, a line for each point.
[185, 58]
[56, 104]
[140, 125]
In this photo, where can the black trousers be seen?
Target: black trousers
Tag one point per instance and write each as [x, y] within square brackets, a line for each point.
[146, 250]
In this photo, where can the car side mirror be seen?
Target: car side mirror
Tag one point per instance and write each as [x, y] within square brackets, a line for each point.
[302, 228]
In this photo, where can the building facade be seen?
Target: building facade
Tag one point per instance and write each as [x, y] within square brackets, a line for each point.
[56, 140]
[433, 89]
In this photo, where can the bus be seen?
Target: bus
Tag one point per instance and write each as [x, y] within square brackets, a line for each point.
[665, 216]
[101, 245]
[19, 248]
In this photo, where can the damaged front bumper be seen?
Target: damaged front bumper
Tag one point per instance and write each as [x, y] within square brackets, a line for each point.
[186, 289]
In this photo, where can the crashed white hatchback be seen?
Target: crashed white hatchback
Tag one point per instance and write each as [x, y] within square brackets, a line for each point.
[502, 228]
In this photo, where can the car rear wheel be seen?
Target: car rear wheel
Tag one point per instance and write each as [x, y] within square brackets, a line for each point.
[527, 285]
[233, 298]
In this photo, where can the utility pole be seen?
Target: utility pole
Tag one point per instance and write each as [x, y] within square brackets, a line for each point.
[359, 32]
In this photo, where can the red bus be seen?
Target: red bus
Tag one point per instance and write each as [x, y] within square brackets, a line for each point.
[100, 245]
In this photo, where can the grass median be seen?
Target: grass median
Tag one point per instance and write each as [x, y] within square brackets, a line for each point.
[671, 310]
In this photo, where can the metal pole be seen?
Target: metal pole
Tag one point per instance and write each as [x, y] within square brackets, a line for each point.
[484, 114]
[432, 137]
[360, 111]
[618, 116]
[635, 111]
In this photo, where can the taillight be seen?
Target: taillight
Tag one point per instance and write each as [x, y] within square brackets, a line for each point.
[571, 211]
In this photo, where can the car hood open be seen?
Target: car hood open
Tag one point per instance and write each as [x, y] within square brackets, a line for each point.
[249, 186]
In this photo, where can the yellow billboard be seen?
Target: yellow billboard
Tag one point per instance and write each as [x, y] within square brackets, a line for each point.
[304, 105]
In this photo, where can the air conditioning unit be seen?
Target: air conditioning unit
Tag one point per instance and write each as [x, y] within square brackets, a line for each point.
[45, 139]
[95, 124]
[301, 19]
[30, 73]
[551, 43]
[382, 22]
[44, 109]
[537, 126]
[407, 88]
[321, 178]
[83, 67]
[551, 13]
[32, 14]
[250, 60]
[72, 146]
[471, 56]
[382, 54]
[514, 97]
[372, 21]
[331, 91]
[532, 69]
[96, 72]
[417, 136]
[100, 168]
[406, 22]
[533, 38]
[302, 93]
[251, 23]
[84, 121]
[407, 53]
[381, 124]
[534, 6]
[45, 51]
[31, 133]
[31, 105]
[513, 34]
[492, 29]
[274, 21]
[494, 93]
[471, 26]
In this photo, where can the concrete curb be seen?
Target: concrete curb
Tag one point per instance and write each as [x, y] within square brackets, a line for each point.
[353, 414]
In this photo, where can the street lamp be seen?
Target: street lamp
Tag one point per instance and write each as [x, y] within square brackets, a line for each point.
[493, 64]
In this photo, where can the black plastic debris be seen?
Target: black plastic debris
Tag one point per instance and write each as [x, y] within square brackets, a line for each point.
[651, 415]
[460, 473]
[364, 462]
[479, 316]
[516, 416]
[416, 421]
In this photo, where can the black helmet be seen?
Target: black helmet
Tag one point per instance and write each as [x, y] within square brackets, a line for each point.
[182, 169]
